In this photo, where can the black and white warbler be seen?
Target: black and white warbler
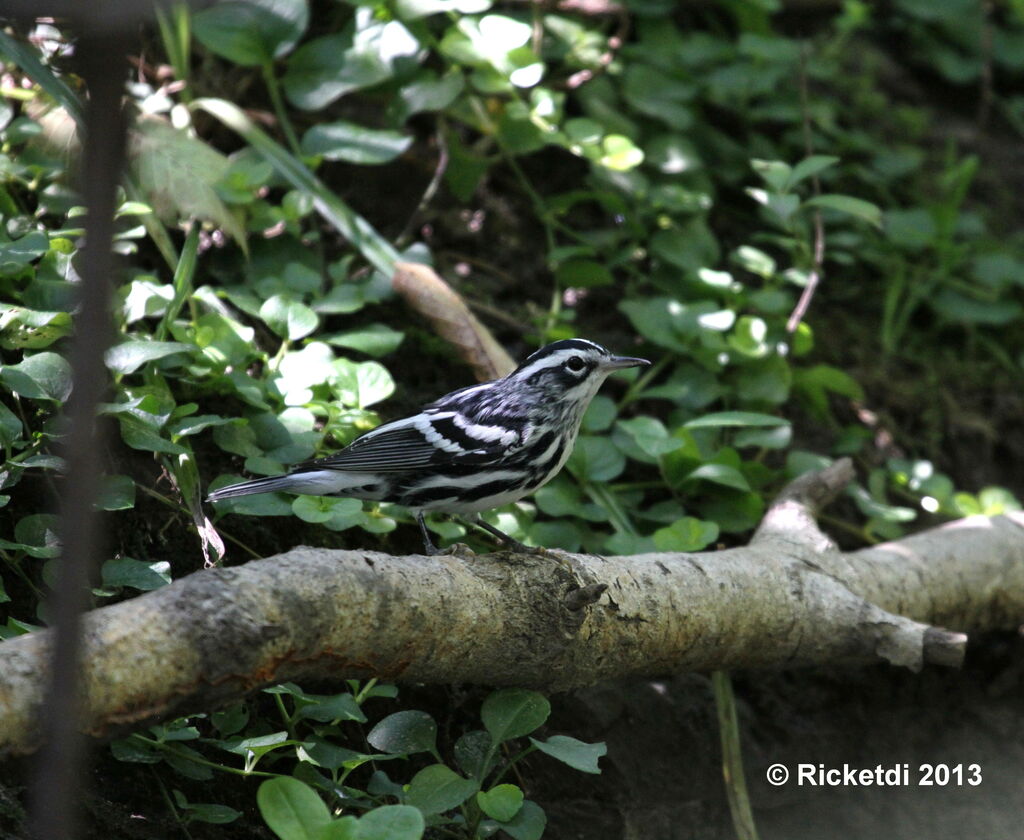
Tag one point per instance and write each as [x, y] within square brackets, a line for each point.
[472, 450]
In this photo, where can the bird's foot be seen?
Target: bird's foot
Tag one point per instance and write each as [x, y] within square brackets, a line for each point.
[454, 550]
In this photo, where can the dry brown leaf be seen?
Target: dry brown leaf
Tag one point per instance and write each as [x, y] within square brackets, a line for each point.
[440, 304]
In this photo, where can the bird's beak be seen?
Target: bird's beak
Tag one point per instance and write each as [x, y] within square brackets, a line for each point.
[621, 362]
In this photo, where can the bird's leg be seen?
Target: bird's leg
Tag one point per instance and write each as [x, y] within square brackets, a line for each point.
[432, 550]
[428, 544]
[511, 544]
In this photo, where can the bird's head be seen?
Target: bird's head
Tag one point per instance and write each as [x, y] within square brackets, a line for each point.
[570, 371]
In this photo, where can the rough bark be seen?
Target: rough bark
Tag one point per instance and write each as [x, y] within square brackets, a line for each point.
[789, 598]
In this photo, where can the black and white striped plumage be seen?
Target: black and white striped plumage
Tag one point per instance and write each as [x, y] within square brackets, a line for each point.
[472, 450]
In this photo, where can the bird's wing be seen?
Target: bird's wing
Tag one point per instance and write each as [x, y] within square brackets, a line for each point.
[426, 440]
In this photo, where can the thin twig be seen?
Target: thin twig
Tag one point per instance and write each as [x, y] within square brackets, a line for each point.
[818, 258]
[428, 194]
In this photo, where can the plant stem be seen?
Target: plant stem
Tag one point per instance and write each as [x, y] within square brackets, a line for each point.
[732, 757]
[274, 89]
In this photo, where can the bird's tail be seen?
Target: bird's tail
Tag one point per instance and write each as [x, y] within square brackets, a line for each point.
[257, 485]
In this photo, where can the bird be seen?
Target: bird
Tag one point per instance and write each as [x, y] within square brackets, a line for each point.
[472, 450]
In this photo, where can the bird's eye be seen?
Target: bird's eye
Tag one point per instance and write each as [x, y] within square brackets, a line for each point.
[575, 364]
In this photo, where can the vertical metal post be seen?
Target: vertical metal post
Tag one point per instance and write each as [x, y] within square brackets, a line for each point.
[60, 770]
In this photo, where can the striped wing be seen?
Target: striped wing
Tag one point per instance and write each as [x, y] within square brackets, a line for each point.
[419, 442]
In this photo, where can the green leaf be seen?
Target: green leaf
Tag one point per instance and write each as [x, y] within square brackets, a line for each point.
[129, 356]
[502, 802]
[721, 419]
[140, 435]
[354, 143]
[329, 67]
[857, 207]
[374, 340]
[474, 755]
[136, 751]
[619, 153]
[179, 174]
[413, 9]
[10, 426]
[30, 329]
[44, 376]
[650, 435]
[749, 336]
[391, 822]
[577, 754]
[428, 92]
[404, 733]
[437, 788]
[514, 712]
[17, 254]
[117, 492]
[288, 318]
[995, 501]
[292, 809]
[362, 384]
[528, 824]
[689, 247]
[686, 534]
[964, 309]
[722, 474]
[774, 173]
[808, 168]
[596, 459]
[582, 273]
[193, 425]
[317, 509]
[332, 707]
[210, 813]
[377, 250]
[251, 32]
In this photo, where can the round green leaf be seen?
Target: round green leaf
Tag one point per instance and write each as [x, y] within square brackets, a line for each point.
[502, 802]
[472, 751]
[528, 824]
[650, 435]
[292, 809]
[686, 534]
[252, 32]
[117, 492]
[288, 318]
[514, 712]
[596, 459]
[403, 733]
[437, 788]
[391, 822]
[44, 376]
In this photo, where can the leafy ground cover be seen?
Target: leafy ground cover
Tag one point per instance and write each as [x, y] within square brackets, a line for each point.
[667, 181]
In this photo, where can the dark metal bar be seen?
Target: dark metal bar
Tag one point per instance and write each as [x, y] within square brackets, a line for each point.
[60, 770]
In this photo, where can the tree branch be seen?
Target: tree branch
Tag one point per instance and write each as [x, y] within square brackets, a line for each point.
[789, 598]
